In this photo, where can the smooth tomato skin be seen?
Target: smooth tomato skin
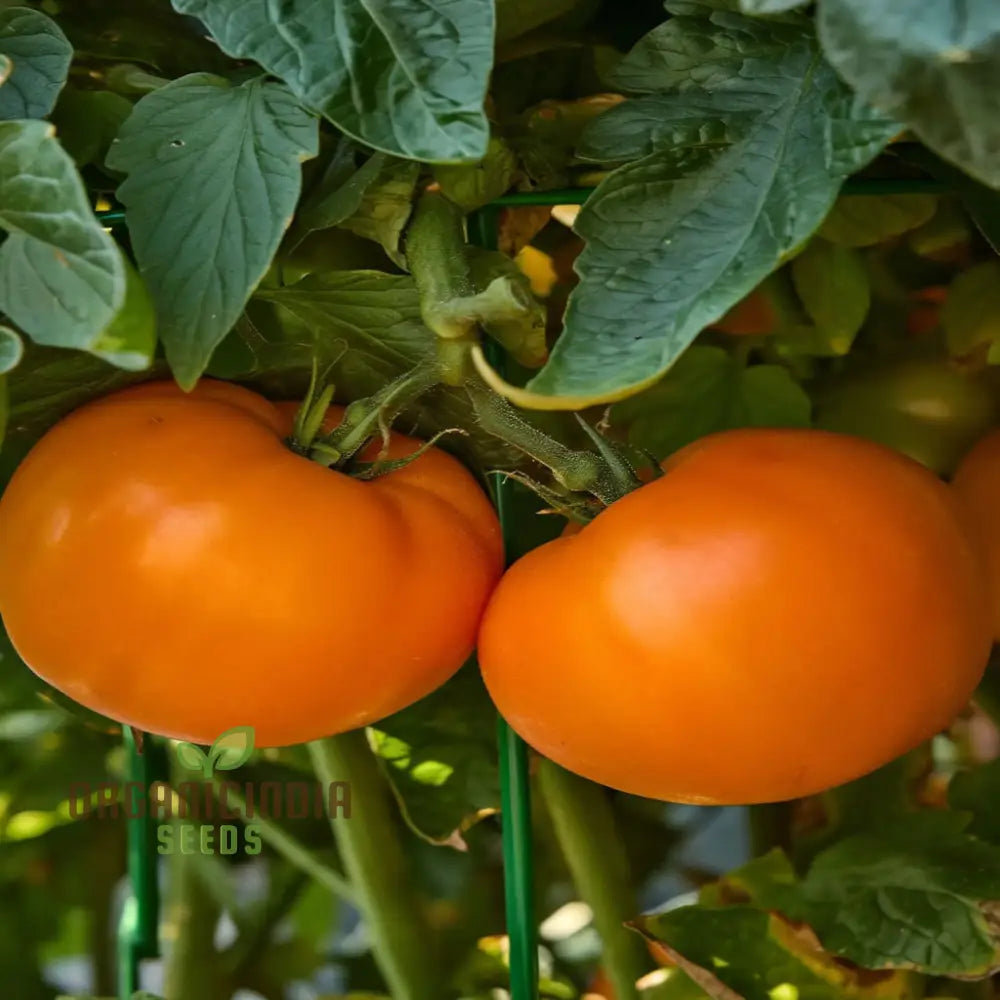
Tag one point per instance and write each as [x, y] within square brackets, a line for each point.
[784, 611]
[166, 560]
[977, 484]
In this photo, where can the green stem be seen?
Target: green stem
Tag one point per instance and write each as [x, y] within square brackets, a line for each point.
[576, 471]
[192, 969]
[373, 858]
[585, 828]
[283, 843]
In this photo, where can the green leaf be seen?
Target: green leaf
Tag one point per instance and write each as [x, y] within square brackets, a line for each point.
[710, 390]
[441, 758]
[190, 756]
[40, 55]
[62, 278]
[11, 349]
[862, 221]
[676, 238]
[472, 185]
[385, 206]
[214, 174]
[87, 122]
[516, 318]
[518, 17]
[365, 328]
[758, 7]
[232, 748]
[934, 68]
[340, 192]
[922, 895]
[740, 952]
[977, 791]
[970, 315]
[129, 341]
[751, 881]
[405, 76]
[832, 284]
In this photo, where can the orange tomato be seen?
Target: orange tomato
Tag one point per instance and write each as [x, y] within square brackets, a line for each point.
[785, 610]
[166, 560]
[977, 484]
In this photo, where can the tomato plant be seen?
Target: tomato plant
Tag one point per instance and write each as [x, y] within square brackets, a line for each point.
[694, 217]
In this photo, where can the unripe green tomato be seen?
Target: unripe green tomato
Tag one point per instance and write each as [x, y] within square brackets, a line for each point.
[925, 409]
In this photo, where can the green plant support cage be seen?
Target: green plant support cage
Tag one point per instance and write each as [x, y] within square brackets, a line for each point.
[138, 928]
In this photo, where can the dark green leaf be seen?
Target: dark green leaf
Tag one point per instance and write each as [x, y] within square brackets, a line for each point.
[978, 791]
[214, 174]
[62, 278]
[385, 206]
[709, 390]
[861, 220]
[87, 122]
[933, 67]
[921, 895]
[518, 17]
[40, 55]
[340, 192]
[832, 284]
[739, 953]
[472, 185]
[405, 76]
[676, 238]
[440, 755]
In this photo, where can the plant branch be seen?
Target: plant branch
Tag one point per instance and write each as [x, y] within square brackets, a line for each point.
[373, 858]
[586, 831]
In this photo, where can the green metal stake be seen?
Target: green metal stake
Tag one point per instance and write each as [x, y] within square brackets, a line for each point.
[139, 924]
[515, 791]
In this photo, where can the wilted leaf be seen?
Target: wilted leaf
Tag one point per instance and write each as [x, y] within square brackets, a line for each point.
[405, 76]
[920, 895]
[863, 220]
[62, 278]
[441, 757]
[39, 55]
[709, 390]
[932, 67]
[214, 174]
[740, 953]
[725, 213]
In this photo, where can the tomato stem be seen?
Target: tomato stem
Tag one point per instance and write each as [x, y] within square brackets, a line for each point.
[365, 419]
[575, 471]
[373, 859]
[586, 830]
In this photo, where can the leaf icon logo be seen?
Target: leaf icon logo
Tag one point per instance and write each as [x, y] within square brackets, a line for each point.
[230, 750]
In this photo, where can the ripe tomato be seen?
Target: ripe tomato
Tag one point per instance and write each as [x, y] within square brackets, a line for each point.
[977, 483]
[785, 610]
[167, 561]
[928, 410]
